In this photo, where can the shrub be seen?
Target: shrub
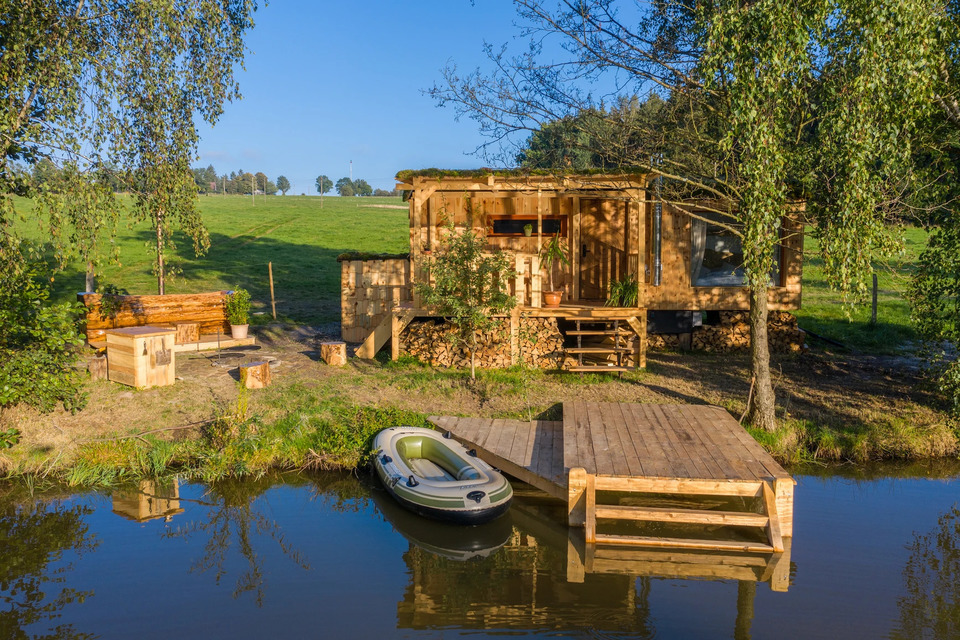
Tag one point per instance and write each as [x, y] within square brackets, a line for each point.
[238, 306]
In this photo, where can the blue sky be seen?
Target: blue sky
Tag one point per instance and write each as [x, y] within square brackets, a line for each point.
[326, 83]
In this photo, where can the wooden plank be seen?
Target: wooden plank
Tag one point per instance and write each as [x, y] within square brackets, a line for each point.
[646, 441]
[678, 556]
[612, 419]
[571, 455]
[576, 497]
[541, 445]
[674, 570]
[603, 459]
[773, 526]
[727, 449]
[687, 460]
[486, 431]
[558, 468]
[585, 452]
[683, 516]
[670, 457]
[590, 526]
[681, 486]
[687, 432]
[625, 426]
[684, 543]
[520, 451]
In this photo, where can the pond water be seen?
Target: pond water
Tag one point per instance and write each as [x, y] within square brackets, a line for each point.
[333, 556]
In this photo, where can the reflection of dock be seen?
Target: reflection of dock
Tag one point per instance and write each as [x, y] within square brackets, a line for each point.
[149, 500]
[605, 458]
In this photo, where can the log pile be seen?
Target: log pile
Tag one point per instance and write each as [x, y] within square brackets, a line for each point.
[429, 341]
[733, 334]
[663, 341]
[541, 343]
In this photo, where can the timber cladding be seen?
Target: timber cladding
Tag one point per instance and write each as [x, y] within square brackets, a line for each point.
[206, 309]
[369, 290]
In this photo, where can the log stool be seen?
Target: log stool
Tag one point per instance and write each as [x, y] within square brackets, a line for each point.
[188, 332]
[334, 353]
[255, 375]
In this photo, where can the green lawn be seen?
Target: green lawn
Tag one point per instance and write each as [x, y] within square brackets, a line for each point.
[823, 311]
[300, 238]
[303, 240]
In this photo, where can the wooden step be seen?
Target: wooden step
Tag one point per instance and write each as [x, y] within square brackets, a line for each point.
[684, 543]
[598, 369]
[599, 332]
[600, 350]
[685, 516]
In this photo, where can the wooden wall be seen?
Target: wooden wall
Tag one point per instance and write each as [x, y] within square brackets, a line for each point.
[369, 290]
[675, 291]
[206, 309]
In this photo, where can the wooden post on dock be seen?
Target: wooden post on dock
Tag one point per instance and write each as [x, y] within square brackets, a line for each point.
[576, 500]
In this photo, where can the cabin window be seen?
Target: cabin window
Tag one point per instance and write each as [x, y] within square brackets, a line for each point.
[717, 254]
[513, 225]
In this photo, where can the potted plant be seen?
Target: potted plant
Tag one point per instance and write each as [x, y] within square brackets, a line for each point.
[555, 250]
[237, 307]
[528, 229]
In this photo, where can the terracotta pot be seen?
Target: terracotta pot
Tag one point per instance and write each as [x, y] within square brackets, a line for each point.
[239, 331]
[552, 298]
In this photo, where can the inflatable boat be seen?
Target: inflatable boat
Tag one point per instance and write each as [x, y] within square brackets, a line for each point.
[435, 476]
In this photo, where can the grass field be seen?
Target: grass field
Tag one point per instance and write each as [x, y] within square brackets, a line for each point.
[300, 238]
[303, 240]
[823, 311]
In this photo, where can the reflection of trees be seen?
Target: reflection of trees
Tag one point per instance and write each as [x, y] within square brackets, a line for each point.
[232, 521]
[35, 536]
[931, 606]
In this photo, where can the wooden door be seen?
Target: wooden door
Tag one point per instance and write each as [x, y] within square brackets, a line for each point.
[602, 246]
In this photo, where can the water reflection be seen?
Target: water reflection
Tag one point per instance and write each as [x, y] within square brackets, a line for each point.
[36, 538]
[149, 500]
[931, 606]
[233, 522]
[544, 577]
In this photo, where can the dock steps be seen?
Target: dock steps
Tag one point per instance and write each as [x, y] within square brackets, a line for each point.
[685, 516]
[582, 504]
[684, 543]
[600, 368]
[599, 332]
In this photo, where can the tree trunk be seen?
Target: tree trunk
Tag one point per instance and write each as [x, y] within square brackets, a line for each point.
[160, 283]
[473, 357]
[760, 412]
[91, 278]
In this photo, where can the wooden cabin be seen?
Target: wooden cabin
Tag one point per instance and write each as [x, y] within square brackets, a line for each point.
[689, 271]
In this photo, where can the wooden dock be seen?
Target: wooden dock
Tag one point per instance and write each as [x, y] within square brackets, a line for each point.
[631, 451]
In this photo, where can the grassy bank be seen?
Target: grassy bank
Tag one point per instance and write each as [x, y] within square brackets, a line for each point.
[318, 417]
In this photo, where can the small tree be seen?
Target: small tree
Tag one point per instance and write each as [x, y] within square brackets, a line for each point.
[283, 184]
[467, 288]
[324, 184]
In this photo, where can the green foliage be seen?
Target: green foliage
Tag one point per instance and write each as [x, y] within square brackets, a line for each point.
[555, 250]
[623, 293]
[9, 438]
[283, 184]
[238, 306]
[467, 286]
[38, 344]
[324, 184]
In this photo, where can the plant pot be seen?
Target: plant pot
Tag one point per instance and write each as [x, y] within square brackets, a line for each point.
[552, 298]
[528, 232]
[238, 331]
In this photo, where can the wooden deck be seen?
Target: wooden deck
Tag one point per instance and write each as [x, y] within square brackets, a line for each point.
[678, 450]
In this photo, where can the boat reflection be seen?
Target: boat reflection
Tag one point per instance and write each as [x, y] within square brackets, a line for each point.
[148, 500]
[452, 541]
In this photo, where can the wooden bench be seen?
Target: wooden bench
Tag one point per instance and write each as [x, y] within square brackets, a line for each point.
[205, 309]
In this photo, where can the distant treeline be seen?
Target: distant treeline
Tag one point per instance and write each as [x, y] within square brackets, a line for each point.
[46, 173]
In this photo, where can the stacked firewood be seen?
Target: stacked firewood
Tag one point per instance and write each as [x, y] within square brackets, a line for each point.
[541, 343]
[733, 333]
[663, 341]
[431, 342]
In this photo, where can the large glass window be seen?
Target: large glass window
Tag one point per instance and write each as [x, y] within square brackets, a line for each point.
[717, 254]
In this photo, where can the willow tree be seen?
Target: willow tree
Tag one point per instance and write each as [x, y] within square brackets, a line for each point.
[760, 104]
[75, 83]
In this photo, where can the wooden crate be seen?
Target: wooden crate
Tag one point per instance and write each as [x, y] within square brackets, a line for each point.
[141, 356]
